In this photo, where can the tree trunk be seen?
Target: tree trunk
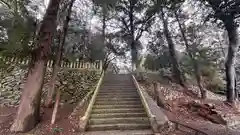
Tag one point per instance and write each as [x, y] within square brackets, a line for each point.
[236, 90]
[51, 85]
[175, 65]
[61, 38]
[29, 110]
[54, 114]
[134, 51]
[158, 97]
[104, 22]
[191, 55]
[199, 79]
[105, 61]
[231, 58]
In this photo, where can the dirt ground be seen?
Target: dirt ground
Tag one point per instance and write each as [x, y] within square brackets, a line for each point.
[63, 126]
[184, 106]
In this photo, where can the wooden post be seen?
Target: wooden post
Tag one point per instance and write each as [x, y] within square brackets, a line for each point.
[48, 64]
[81, 65]
[176, 126]
[61, 65]
[15, 60]
[4, 59]
[52, 63]
[12, 60]
[155, 88]
[26, 61]
[100, 65]
[22, 61]
[78, 64]
[95, 65]
[65, 64]
[87, 65]
[74, 64]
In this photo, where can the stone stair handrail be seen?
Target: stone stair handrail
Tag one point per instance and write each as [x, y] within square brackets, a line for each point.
[84, 120]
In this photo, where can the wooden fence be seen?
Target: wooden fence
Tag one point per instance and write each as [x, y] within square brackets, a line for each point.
[97, 65]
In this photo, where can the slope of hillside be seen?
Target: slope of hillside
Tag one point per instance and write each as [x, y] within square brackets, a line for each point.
[185, 106]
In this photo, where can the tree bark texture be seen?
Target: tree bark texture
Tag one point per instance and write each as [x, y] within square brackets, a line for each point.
[54, 114]
[175, 65]
[104, 12]
[158, 97]
[199, 79]
[236, 90]
[191, 55]
[51, 85]
[29, 110]
[134, 51]
[61, 38]
[231, 60]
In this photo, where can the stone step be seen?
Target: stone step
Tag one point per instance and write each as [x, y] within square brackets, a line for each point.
[114, 78]
[123, 86]
[118, 110]
[119, 115]
[118, 99]
[119, 80]
[119, 96]
[118, 103]
[122, 126]
[126, 83]
[118, 86]
[140, 120]
[117, 89]
[120, 132]
[118, 92]
[116, 106]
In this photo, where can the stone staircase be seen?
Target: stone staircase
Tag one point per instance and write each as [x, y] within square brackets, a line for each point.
[118, 107]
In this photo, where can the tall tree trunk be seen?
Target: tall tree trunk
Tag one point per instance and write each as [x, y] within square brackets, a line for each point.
[134, 52]
[29, 110]
[191, 55]
[59, 58]
[175, 65]
[61, 38]
[231, 59]
[158, 97]
[104, 12]
[51, 85]
[236, 90]
[105, 60]
[54, 114]
[199, 79]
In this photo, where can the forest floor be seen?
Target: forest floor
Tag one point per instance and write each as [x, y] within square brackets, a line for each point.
[182, 105]
[63, 126]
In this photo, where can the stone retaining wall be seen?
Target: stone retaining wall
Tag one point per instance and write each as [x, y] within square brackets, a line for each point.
[74, 84]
